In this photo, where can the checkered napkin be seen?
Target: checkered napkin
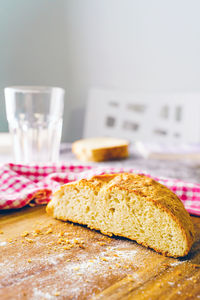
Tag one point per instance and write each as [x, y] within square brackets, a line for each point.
[21, 185]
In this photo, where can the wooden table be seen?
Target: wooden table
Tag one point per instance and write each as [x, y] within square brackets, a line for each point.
[43, 258]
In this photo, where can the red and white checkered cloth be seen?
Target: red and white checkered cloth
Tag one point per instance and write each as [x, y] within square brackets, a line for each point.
[21, 185]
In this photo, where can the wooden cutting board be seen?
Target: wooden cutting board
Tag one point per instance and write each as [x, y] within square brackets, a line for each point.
[42, 258]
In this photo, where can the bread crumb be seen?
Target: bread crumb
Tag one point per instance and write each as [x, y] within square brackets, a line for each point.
[129, 277]
[66, 241]
[29, 260]
[76, 268]
[126, 267]
[76, 242]
[166, 265]
[50, 230]
[61, 233]
[60, 241]
[101, 243]
[37, 231]
[29, 240]
[104, 259]
[25, 233]
[1, 232]
[67, 247]
[57, 294]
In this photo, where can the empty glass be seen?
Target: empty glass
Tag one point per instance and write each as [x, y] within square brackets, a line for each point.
[35, 121]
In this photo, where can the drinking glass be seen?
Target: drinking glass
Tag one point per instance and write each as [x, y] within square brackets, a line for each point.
[34, 115]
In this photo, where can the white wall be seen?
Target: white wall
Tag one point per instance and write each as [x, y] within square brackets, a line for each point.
[139, 45]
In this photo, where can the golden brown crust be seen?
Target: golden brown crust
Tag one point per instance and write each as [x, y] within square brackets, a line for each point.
[148, 189]
[157, 193]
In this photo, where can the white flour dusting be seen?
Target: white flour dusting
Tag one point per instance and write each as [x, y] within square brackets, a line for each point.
[123, 253]
[3, 244]
[176, 263]
[37, 294]
[79, 274]
[52, 259]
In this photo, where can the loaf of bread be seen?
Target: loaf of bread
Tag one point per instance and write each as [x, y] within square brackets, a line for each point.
[100, 149]
[129, 205]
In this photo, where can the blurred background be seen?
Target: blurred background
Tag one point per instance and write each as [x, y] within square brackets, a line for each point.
[131, 45]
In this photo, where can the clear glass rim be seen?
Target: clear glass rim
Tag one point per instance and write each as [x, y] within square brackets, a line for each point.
[33, 89]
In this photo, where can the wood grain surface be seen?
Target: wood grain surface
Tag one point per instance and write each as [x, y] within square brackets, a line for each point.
[43, 258]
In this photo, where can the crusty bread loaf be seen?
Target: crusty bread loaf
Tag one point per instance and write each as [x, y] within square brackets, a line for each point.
[100, 149]
[129, 205]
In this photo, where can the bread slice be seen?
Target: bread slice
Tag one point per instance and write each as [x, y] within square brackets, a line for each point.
[129, 205]
[100, 149]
